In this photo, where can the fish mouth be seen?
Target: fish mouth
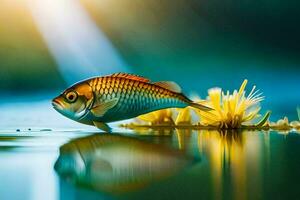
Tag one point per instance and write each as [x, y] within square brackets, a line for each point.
[57, 105]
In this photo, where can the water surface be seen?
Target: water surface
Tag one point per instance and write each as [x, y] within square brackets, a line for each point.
[44, 156]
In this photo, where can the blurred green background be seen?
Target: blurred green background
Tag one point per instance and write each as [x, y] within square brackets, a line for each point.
[48, 45]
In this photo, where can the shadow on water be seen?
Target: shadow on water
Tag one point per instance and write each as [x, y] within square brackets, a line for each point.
[180, 164]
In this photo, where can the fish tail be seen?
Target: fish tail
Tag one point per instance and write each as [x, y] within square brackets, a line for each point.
[197, 105]
[200, 106]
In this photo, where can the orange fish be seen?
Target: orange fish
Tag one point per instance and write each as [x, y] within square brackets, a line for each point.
[119, 96]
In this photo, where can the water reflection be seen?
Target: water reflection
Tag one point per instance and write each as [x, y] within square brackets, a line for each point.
[234, 164]
[236, 159]
[225, 150]
[114, 163]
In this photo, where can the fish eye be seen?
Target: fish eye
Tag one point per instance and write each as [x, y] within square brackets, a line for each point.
[71, 96]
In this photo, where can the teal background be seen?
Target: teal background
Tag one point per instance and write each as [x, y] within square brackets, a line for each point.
[47, 45]
[199, 44]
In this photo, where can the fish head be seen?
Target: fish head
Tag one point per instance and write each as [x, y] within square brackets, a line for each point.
[75, 101]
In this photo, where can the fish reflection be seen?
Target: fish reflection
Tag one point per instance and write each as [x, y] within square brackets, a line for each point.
[114, 163]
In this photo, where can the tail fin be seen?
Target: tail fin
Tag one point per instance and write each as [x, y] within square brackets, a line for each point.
[200, 106]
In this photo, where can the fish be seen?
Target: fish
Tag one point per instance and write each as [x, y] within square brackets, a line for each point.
[101, 100]
[119, 164]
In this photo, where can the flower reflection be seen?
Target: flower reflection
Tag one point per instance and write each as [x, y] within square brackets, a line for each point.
[118, 164]
[233, 157]
[183, 135]
[224, 150]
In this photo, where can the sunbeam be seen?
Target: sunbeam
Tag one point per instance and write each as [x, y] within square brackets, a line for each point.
[78, 45]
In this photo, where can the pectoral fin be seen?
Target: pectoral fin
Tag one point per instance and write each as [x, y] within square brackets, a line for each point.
[100, 109]
[103, 126]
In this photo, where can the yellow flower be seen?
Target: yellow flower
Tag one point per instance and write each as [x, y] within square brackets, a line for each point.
[184, 117]
[232, 110]
[282, 124]
[165, 117]
[160, 117]
[296, 124]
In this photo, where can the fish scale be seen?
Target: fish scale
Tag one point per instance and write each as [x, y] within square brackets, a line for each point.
[133, 95]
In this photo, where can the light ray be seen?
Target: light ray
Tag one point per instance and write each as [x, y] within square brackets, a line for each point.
[77, 44]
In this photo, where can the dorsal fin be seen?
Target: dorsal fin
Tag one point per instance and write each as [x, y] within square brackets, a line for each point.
[170, 85]
[130, 76]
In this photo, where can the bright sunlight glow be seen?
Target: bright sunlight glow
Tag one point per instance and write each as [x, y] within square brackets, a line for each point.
[77, 44]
